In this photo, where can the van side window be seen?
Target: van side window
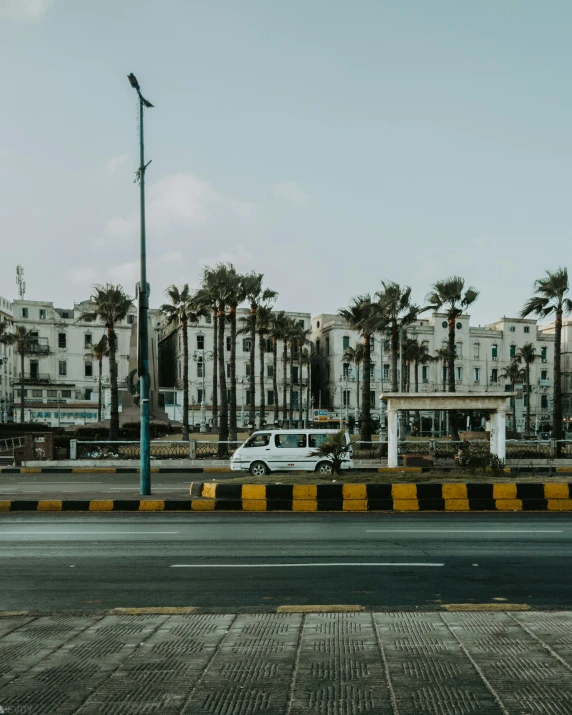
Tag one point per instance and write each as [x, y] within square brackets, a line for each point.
[262, 439]
[316, 440]
[290, 441]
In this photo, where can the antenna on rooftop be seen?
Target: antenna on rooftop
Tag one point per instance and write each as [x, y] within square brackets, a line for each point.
[20, 281]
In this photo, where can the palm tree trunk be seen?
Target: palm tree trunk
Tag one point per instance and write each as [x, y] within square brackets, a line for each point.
[557, 406]
[527, 427]
[261, 374]
[284, 383]
[365, 429]
[291, 410]
[185, 380]
[300, 391]
[22, 384]
[215, 369]
[275, 380]
[252, 410]
[223, 422]
[309, 378]
[451, 360]
[357, 385]
[417, 412]
[114, 417]
[100, 361]
[394, 357]
[232, 419]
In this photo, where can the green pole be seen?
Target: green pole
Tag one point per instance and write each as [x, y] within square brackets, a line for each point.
[142, 323]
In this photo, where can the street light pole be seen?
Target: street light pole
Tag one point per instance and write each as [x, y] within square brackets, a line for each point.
[142, 327]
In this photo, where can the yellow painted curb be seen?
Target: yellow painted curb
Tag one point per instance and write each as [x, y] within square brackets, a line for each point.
[354, 505]
[404, 491]
[253, 491]
[94, 470]
[564, 469]
[509, 504]
[559, 505]
[304, 491]
[454, 491]
[198, 505]
[457, 505]
[49, 505]
[556, 491]
[354, 491]
[209, 490]
[409, 470]
[254, 505]
[30, 470]
[151, 505]
[485, 607]
[166, 611]
[336, 608]
[101, 505]
[504, 491]
[405, 505]
[305, 505]
[216, 470]
[11, 614]
[5, 505]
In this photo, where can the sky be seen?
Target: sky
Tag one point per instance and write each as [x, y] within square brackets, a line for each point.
[327, 144]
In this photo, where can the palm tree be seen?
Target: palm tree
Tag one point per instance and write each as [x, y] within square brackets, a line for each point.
[549, 299]
[302, 339]
[359, 316]
[26, 340]
[180, 310]
[110, 305]
[206, 299]
[256, 295]
[276, 333]
[452, 296]
[527, 354]
[99, 351]
[263, 324]
[513, 373]
[355, 356]
[394, 311]
[287, 331]
[442, 355]
[235, 295]
[416, 354]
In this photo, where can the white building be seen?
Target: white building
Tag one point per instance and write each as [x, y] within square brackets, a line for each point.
[60, 375]
[482, 353]
[6, 353]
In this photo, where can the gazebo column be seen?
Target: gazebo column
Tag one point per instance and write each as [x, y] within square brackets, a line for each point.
[494, 432]
[501, 434]
[392, 438]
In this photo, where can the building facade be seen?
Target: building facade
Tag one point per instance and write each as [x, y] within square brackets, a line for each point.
[6, 357]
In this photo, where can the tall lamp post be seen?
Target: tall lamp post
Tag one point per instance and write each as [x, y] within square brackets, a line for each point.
[142, 327]
[200, 357]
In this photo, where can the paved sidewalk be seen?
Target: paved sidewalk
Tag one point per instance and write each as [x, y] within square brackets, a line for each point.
[514, 663]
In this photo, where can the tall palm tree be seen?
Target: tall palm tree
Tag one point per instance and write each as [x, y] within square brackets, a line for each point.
[276, 333]
[513, 373]
[354, 355]
[302, 339]
[394, 311]
[549, 299]
[180, 310]
[255, 294]
[442, 356]
[287, 332]
[359, 316]
[263, 325]
[234, 284]
[99, 351]
[451, 296]
[25, 341]
[110, 305]
[206, 299]
[418, 355]
[527, 354]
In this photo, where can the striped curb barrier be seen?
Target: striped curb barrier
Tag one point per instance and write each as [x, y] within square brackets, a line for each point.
[555, 497]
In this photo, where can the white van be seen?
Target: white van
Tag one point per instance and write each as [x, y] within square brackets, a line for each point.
[281, 450]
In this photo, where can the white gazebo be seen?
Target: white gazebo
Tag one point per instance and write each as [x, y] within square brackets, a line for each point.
[493, 402]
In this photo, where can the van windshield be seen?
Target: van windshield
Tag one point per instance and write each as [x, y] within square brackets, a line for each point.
[260, 439]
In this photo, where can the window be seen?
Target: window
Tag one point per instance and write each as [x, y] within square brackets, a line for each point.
[459, 349]
[328, 371]
[87, 393]
[200, 342]
[346, 370]
[200, 367]
[290, 441]
[270, 371]
[318, 346]
[208, 318]
[372, 398]
[34, 368]
[512, 329]
[386, 371]
[544, 374]
[424, 373]
[544, 401]
[543, 351]
[495, 352]
[228, 396]
[372, 343]
[476, 350]
[228, 343]
[88, 369]
[270, 398]
[24, 312]
[52, 393]
[346, 398]
[527, 328]
[66, 393]
[62, 340]
[62, 368]
[477, 374]
[37, 393]
[459, 371]
[513, 350]
[327, 346]
[248, 397]
[87, 341]
[260, 439]
[346, 342]
[268, 345]
[301, 323]
[494, 375]
[199, 395]
[315, 440]
[372, 371]
[130, 319]
[42, 314]
[295, 373]
[246, 345]
[295, 403]
[228, 369]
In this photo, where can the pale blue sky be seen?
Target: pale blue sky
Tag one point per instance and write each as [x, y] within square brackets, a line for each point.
[326, 144]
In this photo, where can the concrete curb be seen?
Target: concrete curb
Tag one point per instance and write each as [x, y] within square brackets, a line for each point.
[112, 470]
[332, 497]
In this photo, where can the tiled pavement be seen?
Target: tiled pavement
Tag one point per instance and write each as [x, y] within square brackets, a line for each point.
[318, 663]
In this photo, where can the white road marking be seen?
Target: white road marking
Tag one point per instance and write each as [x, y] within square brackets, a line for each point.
[74, 533]
[269, 566]
[465, 531]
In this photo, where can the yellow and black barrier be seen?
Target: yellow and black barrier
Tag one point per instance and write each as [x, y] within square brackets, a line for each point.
[330, 497]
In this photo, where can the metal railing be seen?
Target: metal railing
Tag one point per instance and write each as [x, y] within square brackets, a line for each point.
[160, 449]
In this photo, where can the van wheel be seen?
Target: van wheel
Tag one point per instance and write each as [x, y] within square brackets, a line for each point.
[258, 469]
[324, 468]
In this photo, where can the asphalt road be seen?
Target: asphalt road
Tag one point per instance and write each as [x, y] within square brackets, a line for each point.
[253, 562]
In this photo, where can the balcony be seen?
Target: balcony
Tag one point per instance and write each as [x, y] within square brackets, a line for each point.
[39, 347]
[34, 377]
